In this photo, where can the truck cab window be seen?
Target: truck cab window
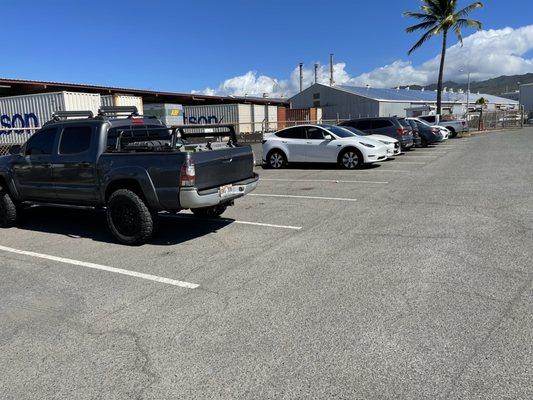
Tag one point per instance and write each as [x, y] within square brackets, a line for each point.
[41, 143]
[75, 140]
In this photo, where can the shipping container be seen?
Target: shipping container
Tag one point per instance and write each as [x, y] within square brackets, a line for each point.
[123, 100]
[169, 114]
[33, 110]
[240, 114]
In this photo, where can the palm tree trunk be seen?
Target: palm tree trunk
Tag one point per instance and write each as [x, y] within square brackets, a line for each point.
[441, 71]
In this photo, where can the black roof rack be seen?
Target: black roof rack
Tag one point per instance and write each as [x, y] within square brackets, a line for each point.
[115, 110]
[59, 115]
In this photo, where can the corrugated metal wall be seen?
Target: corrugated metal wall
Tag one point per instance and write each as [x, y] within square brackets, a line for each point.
[169, 114]
[335, 103]
[123, 100]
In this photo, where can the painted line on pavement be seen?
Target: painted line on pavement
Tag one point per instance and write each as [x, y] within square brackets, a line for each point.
[320, 180]
[192, 217]
[411, 162]
[290, 196]
[121, 271]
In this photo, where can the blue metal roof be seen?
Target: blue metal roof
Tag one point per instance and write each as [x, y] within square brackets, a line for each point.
[420, 95]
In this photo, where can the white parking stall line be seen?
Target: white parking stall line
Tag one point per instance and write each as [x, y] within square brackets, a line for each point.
[416, 155]
[411, 162]
[291, 196]
[320, 180]
[192, 217]
[383, 169]
[121, 271]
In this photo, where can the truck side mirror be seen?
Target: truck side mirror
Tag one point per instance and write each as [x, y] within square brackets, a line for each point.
[15, 149]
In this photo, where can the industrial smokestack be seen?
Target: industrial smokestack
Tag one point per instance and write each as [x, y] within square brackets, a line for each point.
[301, 66]
[316, 73]
[331, 81]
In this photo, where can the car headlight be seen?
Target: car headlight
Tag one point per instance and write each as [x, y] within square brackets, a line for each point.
[385, 142]
[367, 145]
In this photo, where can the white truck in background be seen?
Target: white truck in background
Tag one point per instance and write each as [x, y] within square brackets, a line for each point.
[455, 126]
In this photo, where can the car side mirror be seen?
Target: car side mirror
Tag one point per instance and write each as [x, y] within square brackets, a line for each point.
[328, 137]
[15, 149]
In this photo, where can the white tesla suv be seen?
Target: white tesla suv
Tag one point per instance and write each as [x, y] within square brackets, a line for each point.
[393, 145]
[321, 144]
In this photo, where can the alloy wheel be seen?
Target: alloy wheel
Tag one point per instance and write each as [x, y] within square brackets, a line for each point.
[276, 160]
[350, 160]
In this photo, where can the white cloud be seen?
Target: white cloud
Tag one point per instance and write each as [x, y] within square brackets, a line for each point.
[486, 54]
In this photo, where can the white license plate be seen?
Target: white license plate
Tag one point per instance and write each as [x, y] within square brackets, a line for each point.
[230, 190]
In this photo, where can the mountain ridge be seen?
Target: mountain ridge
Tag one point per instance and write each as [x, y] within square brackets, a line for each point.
[496, 86]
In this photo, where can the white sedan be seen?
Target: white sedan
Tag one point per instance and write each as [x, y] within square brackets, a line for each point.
[321, 144]
[393, 145]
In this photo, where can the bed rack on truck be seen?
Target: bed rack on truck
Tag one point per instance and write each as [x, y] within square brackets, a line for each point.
[178, 132]
[106, 111]
[60, 115]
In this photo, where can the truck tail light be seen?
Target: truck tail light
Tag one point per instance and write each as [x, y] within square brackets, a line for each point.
[402, 131]
[434, 130]
[188, 173]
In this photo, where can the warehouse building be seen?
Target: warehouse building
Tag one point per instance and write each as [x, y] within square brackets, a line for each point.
[27, 104]
[344, 102]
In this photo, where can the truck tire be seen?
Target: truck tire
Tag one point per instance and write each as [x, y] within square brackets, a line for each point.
[209, 212]
[8, 209]
[128, 217]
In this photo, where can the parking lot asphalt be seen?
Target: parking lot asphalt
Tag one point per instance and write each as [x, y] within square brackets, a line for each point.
[409, 279]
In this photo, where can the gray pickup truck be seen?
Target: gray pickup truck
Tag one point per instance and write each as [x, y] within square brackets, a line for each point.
[134, 167]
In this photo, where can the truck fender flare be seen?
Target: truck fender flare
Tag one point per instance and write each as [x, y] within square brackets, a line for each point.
[7, 177]
[136, 174]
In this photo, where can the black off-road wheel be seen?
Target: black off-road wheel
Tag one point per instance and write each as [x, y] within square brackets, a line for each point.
[8, 209]
[209, 212]
[128, 217]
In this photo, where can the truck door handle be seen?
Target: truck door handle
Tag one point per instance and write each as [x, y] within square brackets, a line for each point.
[308, 142]
[283, 142]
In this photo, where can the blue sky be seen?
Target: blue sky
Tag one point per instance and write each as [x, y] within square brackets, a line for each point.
[192, 45]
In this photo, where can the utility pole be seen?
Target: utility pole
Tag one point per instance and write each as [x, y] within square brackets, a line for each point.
[468, 96]
[300, 66]
[316, 73]
[331, 81]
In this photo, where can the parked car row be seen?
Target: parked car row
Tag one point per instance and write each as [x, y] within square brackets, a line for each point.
[351, 144]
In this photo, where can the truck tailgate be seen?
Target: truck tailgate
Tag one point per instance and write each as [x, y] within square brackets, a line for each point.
[220, 167]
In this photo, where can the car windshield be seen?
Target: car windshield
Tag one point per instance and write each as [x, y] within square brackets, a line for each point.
[339, 131]
[356, 131]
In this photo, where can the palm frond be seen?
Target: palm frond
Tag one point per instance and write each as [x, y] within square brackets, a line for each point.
[471, 23]
[468, 9]
[419, 27]
[425, 37]
[418, 15]
[458, 33]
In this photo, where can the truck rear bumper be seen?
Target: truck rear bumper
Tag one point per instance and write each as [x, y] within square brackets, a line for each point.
[193, 198]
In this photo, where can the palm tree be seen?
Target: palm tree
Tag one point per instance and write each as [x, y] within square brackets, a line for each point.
[439, 16]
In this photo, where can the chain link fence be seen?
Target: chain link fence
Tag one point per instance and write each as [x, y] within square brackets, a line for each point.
[481, 120]
[490, 120]
[11, 136]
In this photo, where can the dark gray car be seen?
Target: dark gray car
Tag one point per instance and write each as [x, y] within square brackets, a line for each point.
[388, 126]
